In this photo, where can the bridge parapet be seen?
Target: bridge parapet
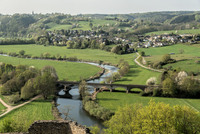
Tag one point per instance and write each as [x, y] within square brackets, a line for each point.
[127, 87]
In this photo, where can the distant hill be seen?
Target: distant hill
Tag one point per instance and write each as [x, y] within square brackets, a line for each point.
[30, 25]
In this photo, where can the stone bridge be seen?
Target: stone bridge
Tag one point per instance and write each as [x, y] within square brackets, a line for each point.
[97, 86]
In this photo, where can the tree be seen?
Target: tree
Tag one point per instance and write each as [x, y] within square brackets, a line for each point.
[4, 77]
[91, 25]
[154, 118]
[46, 55]
[142, 53]
[28, 90]
[168, 87]
[21, 52]
[70, 44]
[82, 88]
[102, 46]
[51, 70]
[116, 49]
[151, 81]
[166, 58]
[45, 84]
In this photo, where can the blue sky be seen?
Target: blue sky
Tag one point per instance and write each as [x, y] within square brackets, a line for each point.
[96, 6]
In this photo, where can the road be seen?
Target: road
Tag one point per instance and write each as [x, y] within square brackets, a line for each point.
[138, 63]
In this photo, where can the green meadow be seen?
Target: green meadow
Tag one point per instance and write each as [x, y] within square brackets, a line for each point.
[187, 60]
[189, 31]
[2, 108]
[71, 71]
[136, 75]
[26, 115]
[53, 26]
[114, 100]
[83, 25]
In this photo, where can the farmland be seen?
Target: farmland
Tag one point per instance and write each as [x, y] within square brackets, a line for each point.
[66, 70]
[184, 54]
[140, 75]
[115, 100]
[23, 117]
[83, 25]
[189, 31]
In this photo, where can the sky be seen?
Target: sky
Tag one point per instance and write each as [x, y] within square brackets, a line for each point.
[96, 6]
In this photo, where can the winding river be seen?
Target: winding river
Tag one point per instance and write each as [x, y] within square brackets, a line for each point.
[73, 106]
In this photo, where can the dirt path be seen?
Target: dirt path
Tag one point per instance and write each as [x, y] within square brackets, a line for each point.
[11, 108]
[145, 66]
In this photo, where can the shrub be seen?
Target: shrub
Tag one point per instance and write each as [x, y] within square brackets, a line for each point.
[151, 81]
[72, 58]
[157, 92]
[143, 93]
[94, 109]
[142, 53]
[14, 98]
[157, 65]
[166, 58]
[22, 52]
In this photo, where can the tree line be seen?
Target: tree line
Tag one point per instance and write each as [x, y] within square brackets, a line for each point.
[22, 82]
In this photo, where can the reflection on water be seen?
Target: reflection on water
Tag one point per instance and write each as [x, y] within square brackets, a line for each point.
[72, 107]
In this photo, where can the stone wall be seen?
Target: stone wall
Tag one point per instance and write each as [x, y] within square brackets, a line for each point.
[57, 127]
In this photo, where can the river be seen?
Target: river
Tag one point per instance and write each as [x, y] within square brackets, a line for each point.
[73, 106]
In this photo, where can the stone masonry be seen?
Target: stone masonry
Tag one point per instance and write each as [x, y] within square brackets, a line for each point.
[57, 127]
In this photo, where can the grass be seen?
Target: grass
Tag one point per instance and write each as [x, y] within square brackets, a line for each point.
[188, 31]
[71, 71]
[53, 26]
[136, 75]
[185, 61]
[2, 108]
[83, 25]
[26, 115]
[115, 100]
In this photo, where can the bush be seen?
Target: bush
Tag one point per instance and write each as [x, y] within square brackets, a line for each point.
[72, 58]
[13, 99]
[157, 65]
[157, 92]
[151, 81]
[142, 53]
[94, 109]
[22, 52]
[143, 93]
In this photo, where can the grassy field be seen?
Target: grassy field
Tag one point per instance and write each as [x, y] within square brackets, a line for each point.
[115, 100]
[2, 108]
[186, 60]
[136, 75]
[26, 115]
[53, 26]
[189, 31]
[83, 25]
[70, 70]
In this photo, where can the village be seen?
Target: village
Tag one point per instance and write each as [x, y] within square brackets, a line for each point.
[144, 41]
